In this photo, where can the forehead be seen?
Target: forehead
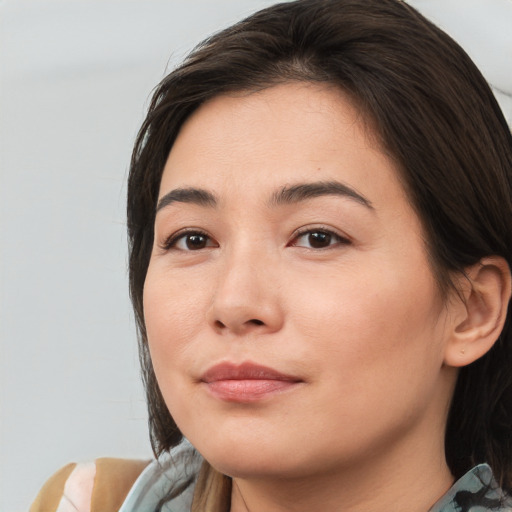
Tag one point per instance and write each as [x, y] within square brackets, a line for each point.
[295, 132]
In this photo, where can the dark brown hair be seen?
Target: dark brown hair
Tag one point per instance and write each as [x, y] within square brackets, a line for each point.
[432, 111]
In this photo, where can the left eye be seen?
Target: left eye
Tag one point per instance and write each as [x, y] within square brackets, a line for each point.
[318, 239]
[190, 241]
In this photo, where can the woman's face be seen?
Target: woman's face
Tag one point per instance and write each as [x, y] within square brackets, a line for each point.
[293, 320]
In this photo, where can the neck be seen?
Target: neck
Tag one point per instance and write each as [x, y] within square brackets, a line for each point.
[408, 478]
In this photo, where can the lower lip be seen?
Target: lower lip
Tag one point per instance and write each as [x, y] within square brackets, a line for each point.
[246, 391]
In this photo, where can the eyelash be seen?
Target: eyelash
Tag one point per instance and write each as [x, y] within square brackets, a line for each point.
[339, 240]
[172, 241]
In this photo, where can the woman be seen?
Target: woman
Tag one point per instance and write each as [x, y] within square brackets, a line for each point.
[319, 211]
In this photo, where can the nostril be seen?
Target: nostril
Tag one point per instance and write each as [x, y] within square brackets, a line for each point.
[219, 324]
[236, 325]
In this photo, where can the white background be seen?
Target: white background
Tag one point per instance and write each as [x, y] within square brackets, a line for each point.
[75, 80]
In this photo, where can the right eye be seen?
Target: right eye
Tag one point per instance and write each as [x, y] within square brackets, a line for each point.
[189, 241]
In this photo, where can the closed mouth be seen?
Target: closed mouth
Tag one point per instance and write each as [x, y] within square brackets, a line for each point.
[247, 382]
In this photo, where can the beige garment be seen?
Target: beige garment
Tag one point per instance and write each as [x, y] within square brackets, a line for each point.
[113, 478]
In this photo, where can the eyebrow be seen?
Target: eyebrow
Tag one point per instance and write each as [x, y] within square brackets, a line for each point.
[286, 195]
[304, 191]
[196, 196]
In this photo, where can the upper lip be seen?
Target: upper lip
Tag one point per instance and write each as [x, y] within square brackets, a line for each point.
[244, 371]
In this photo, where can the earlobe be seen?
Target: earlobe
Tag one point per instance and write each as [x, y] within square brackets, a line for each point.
[481, 311]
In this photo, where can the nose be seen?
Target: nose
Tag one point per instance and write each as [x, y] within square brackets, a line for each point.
[246, 297]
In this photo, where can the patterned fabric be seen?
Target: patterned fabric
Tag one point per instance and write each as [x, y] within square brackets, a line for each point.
[168, 472]
[476, 491]
[98, 486]
[78, 489]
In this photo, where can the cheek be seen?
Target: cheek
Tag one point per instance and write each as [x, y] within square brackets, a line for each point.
[377, 350]
[174, 312]
[370, 323]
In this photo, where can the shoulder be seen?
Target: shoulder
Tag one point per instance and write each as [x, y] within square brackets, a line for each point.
[101, 485]
[170, 479]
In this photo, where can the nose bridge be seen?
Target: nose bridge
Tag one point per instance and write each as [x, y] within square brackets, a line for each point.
[246, 294]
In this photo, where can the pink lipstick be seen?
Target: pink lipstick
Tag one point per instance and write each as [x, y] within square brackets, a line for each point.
[247, 382]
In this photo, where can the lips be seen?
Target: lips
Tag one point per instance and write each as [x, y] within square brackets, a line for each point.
[247, 382]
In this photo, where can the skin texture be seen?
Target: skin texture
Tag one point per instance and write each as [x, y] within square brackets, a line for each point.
[358, 321]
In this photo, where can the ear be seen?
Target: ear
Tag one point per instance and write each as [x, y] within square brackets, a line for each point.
[480, 311]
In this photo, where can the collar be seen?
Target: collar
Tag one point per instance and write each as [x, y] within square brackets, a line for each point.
[476, 491]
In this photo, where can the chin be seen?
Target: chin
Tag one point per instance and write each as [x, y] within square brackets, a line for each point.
[246, 456]
[250, 466]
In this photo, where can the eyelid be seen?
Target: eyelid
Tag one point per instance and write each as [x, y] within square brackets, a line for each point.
[171, 241]
[341, 238]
